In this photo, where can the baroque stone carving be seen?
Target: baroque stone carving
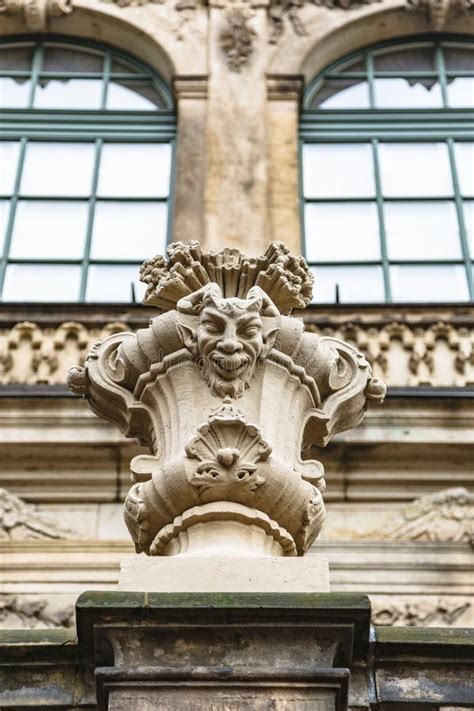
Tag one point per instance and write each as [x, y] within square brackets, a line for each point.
[237, 39]
[20, 522]
[439, 12]
[36, 14]
[33, 613]
[422, 613]
[447, 515]
[228, 393]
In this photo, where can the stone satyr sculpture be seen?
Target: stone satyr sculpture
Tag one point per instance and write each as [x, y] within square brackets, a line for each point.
[228, 391]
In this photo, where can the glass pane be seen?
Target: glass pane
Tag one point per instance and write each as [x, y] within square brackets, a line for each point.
[14, 93]
[356, 284]
[121, 66]
[338, 170]
[458, 58]
[68, 94]
[69, 169]
[433, 284]
[342, 94]
[465, 167]
[64, 59]
[412, 93]
[342, 233]
[469, 223]
[9, 152]
[42, 282]
[418, 169]
[405, 59]
[131, 231]
[49, 230]
[129, 95]
[352, 65]
[135, 169]
[18, 59]
[114, 283]
[461, 92]
[4, 215]
[422, 230]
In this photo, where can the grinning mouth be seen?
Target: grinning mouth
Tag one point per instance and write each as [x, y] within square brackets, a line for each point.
[230, 367]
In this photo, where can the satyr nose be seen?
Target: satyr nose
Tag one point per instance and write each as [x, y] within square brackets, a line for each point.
[229, 344]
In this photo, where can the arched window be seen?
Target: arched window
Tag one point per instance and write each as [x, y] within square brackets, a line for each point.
[388, 174]
[85, 171]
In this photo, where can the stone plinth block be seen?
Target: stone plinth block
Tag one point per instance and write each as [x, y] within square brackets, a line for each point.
[224, 651]
[182, 574]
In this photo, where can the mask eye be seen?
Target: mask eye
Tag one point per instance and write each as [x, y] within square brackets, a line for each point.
[211, 327]
[250, 331]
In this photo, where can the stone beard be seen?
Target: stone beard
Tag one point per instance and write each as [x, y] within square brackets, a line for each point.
[229, 339]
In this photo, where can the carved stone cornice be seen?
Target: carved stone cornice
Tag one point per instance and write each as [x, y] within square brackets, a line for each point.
[199, 387]
[35, 14]
[440, 12]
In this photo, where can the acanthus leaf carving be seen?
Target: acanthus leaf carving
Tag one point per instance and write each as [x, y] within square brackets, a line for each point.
[237, 38]
[439, 12]
[420, 613]
[18, 611]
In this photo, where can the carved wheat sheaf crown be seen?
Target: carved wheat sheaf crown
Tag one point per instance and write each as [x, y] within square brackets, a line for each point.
[285, 278]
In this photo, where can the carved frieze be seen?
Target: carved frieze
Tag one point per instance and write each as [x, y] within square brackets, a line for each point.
[447, 515]
[439, 612]
[18, 521]
[35, 14]
[224, 352]
[32, 612]
[439, 12]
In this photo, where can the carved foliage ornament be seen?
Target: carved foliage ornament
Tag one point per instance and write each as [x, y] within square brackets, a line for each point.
[18, 521]
[439, 12]
[237, 38]
[36, 14]
[227, 393]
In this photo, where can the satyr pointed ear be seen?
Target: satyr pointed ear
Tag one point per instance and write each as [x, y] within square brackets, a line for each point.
[269, 338]
[188, 336]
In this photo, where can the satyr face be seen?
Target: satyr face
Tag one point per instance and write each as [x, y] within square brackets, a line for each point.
[228, 342]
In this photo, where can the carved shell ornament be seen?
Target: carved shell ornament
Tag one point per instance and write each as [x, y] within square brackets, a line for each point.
[229, 392]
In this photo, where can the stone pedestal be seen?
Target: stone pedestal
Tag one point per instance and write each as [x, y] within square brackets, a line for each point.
[182, 574]
[221, 651]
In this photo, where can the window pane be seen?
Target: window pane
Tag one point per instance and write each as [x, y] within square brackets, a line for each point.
[412, 93]
[114, 283]
[69, 169]
[356, 284]
[135, 169]
[342, 94]
[404, 59]
[461, 92]
[338, 170]
[348, 232]
[9, 152]
[115, 223]
[469, 223]
[429, 283]
[64, 59]
[458, 58]
[49, 230]
[68, 94]
[41, 282]
[465, 167]
[422, 230]
[18, 59]
[418, 169]
[121, 66]
[129, 95]
[4, 215]
[14, 93]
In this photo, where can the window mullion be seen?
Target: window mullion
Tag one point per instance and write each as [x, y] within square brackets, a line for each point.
[90, 220]
[381, 216]
[11, 217]
[35, 71]
[460, 215]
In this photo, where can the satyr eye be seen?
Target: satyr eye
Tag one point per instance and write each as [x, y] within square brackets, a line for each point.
[250, 331]
[211, 327]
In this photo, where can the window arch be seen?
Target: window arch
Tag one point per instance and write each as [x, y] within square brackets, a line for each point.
[388, 174]
[86, 163]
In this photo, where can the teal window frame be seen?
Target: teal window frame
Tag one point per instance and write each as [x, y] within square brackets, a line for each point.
[373, 126]
[80, 125]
